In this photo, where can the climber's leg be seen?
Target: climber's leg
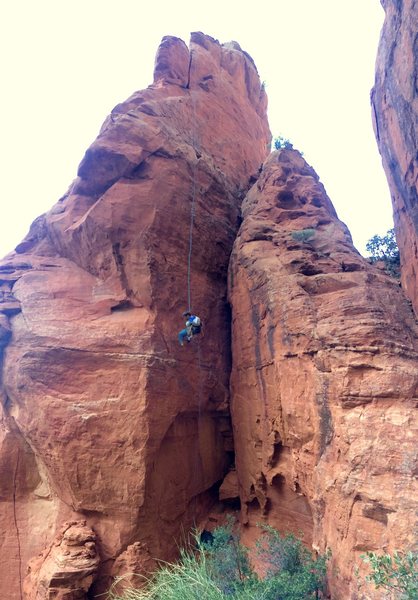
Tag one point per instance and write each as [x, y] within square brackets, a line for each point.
[182, 336]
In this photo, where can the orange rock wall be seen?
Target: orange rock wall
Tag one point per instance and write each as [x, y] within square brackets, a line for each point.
[395, 117]
[113, 439]
[105, 417]
[324, 378]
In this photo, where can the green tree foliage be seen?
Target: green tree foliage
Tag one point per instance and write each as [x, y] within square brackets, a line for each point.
[397, 573]
[282, 142]
[386, 249]
[291, 571]
[220, 570]
[227, 559]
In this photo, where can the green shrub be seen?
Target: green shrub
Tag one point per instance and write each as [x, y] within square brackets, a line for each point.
[304, 235]
[398, 573]
[281, 142]
[291, 571]
[220, 570]
[227, 559]
[385, 248]
[185, 580]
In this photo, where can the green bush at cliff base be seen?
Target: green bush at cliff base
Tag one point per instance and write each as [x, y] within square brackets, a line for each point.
[221, 571]
[291, 571]
[397, 573]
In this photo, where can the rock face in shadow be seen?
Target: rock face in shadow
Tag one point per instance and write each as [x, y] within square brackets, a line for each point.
[395, 118]
[324, 378]
[105, 417]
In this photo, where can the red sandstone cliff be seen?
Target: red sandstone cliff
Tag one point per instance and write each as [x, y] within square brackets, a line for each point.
[324, 379]
[104, 416]
[112, 437]
[395, 118]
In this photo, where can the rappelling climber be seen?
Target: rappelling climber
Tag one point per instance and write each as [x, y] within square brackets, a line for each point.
[193, 327]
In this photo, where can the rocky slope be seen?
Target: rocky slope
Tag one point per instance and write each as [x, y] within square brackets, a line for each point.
[395, 117]
[104, 417]
[324, 378]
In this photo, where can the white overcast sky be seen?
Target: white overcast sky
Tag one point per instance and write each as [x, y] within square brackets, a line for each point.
[67, 63]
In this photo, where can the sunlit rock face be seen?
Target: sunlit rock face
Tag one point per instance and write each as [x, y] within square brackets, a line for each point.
[324, 378]
[395, 117]
[114, 440]
[105, 417]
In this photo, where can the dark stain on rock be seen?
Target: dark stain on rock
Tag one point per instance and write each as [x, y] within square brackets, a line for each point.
[326, 427]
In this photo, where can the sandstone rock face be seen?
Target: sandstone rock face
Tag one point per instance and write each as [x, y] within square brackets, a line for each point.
[105, 417]
[133, 567]
[67, 568]
[229, 489]
[324, 379]
[395, 117]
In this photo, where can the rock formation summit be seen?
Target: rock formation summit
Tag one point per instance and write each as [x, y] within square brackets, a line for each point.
[297, 399]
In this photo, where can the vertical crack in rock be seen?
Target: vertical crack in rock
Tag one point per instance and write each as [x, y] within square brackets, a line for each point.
[325, 417]
[189, 70]
[121, 269]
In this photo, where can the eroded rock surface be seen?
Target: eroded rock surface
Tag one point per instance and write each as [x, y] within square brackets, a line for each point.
[133, 568]
[108, 418]
[324, 379]
[67, 568]
[395, 119]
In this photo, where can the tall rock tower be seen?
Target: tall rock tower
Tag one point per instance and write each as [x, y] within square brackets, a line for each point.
[324, 380]
[395, 119]
[109, 427]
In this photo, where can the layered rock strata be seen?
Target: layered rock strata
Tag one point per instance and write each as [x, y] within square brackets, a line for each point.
[66, 568]
[324, 379]
[105, 417]
[395, 118]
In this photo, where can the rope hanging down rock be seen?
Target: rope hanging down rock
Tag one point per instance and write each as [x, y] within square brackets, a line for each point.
[189, 258]
[193, 205]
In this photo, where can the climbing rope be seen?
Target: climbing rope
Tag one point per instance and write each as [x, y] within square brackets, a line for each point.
[193, 205]
[189, 258]
[197, 468]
